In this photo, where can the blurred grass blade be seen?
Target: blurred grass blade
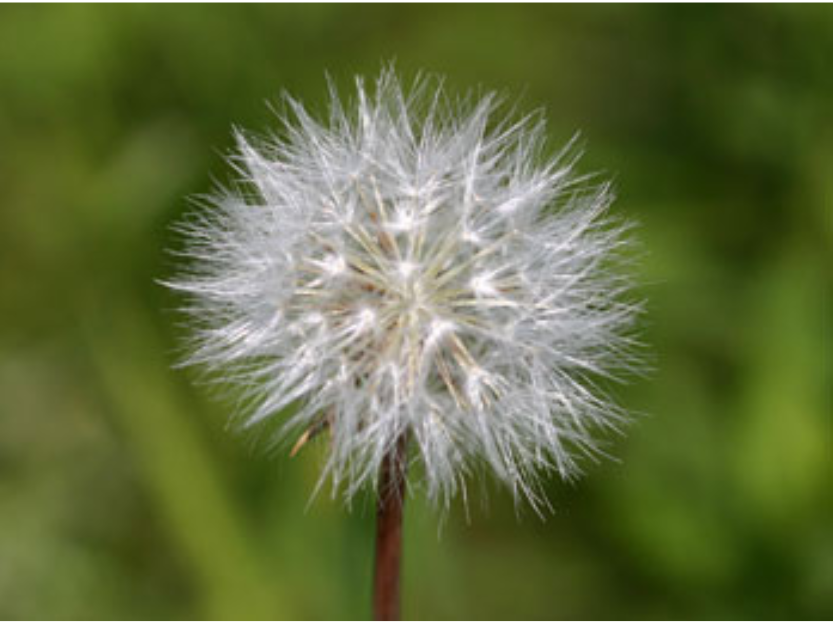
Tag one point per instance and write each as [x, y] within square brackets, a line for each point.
[180, 473]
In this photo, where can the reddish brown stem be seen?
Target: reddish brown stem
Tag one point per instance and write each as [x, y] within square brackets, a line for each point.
[389, 532]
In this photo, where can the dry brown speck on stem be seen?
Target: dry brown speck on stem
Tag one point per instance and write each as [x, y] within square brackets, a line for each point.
[391, 492]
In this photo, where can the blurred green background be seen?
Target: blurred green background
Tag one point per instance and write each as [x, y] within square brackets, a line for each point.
[123, 495]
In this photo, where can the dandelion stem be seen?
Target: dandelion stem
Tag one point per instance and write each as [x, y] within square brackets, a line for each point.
[390, 504]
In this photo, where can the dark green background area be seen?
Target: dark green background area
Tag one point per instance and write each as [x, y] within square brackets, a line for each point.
[123, 495]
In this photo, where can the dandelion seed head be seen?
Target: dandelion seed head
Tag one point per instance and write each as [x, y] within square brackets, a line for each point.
[415, 265]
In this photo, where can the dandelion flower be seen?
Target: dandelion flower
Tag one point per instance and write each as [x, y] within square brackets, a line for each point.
[414, 267]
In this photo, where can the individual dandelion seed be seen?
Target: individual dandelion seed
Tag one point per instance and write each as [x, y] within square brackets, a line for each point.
[416, 279]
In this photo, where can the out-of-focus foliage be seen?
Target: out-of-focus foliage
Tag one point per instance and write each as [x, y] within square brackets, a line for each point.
[123, 496]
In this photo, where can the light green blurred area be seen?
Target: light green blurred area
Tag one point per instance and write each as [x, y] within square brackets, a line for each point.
[123, 494]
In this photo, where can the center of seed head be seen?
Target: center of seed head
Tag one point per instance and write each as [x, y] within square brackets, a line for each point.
[410, 291]
[406, 269]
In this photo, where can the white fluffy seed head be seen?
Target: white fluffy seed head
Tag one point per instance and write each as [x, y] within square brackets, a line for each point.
[414, 265]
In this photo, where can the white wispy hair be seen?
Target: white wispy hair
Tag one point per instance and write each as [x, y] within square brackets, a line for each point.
[414, 265]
